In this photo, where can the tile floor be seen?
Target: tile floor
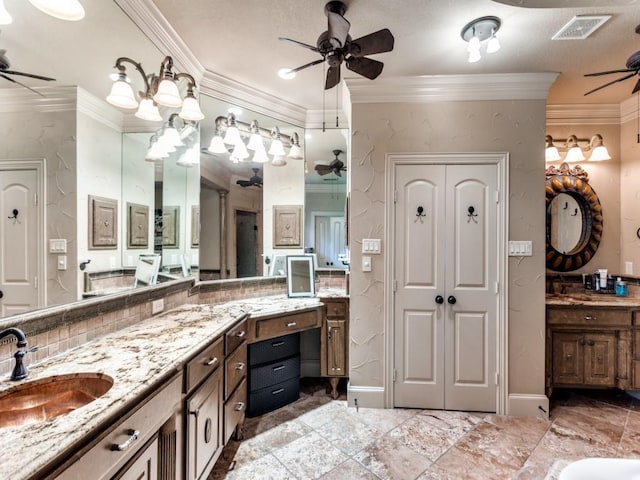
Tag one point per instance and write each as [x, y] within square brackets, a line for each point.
[317, 438]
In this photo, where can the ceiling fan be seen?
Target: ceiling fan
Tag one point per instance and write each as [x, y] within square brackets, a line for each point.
[5, 72]
[253, 181]
[336, 46]
[336, 166]
[633, 68]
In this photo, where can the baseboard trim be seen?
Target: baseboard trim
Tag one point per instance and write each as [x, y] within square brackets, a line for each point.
[367, 397]
[528, 405]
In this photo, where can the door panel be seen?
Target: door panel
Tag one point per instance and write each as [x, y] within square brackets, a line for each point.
[445, 353]
[246, 244]
[599, 359]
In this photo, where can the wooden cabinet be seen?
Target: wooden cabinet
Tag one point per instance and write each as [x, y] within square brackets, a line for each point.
[589, 346]
[144, 466]
[334, 348]
[263, 328]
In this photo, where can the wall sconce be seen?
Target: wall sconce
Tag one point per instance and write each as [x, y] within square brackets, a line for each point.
[230, 135]
[574, 151]
[169, 139]
[62, 9]
[477, 31]
[160, 89]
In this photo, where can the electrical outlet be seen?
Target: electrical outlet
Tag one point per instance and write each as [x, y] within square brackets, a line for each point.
[628, 268]
[157, 306]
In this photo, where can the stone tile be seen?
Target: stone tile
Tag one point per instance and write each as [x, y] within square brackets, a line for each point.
[601, 425]
[384, 419]
[630, 441]
[316, 411]
[265, 468]
[526, 432]
[278, 436]
[348, 433]
[309, 457]
[257, 425]
[350, 470]
[425, 438]
[454, 423]
[389, 459]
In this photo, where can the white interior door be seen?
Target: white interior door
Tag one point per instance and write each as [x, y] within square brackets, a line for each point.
[329, 240]
[446, 302]
[19, 241]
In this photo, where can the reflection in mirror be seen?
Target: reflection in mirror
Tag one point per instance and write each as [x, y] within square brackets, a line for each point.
[579, 233]
[237, 197]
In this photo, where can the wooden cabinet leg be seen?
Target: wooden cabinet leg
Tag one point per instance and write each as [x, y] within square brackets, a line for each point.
[334, 387]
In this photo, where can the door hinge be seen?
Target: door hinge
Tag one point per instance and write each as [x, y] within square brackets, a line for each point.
[497, 378]
[395, 375]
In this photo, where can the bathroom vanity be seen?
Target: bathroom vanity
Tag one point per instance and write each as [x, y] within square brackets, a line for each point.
[592, 342]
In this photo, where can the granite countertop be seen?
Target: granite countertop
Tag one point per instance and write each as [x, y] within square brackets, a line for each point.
[595, 300]
[138, 358]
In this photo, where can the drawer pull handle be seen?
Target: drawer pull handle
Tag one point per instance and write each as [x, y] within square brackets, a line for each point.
[240, 334]
[121, 447]
[239, 407]
[590, 317]
[291, 324]
[278, 368]
[212, 362]
[240, 366]
[277, 344]
[195, 412]
[276, 392]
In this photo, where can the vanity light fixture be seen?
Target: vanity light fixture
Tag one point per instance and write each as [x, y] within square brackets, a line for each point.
[575, 151]
[160, 89]
[477, 31]
[277, 148]
[217, 145]
[169, 138]
[296, 151]
[232, 135]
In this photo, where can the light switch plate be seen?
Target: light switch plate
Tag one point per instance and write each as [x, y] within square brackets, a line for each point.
[366, 264]
[371, 245]
[157, 306]
[57, 245]
[520, 248]
[62, 262]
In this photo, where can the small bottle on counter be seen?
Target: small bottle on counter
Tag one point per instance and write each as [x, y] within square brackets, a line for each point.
[621, 288]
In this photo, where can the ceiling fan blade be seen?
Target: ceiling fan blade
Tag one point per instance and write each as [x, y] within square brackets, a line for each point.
[610, 83]
[310, 47]
[597, 74]
[637, 87]
[322, 169]
[337, 172]
[39, 77]
[365, 66]
[333, 77]
[21, 84]
[338, 29]
[376, 42]
[310, 64]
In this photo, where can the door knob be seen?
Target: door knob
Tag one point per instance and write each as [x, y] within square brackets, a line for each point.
[439, 299]
[451, 299]
[1, 294]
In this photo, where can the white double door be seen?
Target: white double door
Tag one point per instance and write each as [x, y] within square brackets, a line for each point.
[446, 274]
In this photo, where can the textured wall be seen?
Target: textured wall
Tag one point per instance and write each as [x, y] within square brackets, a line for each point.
[516, 127]
[630, 196]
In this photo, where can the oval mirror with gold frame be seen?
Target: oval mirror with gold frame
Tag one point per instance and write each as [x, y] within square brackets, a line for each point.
[575, 183]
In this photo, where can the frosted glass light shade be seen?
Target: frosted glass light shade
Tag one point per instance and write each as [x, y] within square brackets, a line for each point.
[148, 111]
[232, 136]
[474, 56]
[551, 154]
[278, 161]
[191, 109]
[168, 94]
[574, 155]
[277, 148]
[121, 95]
[171, 136]
[296, 152]
[493, 45]
[240, 152]
[599, 154]
[63, 9]
[5, 16]
[217, 145]
[260, 155]
[255, 141]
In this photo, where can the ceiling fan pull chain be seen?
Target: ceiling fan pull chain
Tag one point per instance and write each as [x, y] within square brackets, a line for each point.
[337, 124]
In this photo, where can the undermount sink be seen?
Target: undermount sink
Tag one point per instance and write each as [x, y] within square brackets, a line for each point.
[40, 400]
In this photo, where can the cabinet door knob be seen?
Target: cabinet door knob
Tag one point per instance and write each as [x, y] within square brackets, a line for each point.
[121, 447]
[212, 362]
[239, 407]
[240, 366]
[241, 334]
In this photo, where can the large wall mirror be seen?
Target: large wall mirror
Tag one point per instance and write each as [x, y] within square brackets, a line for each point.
[574, 219]
[92, 161]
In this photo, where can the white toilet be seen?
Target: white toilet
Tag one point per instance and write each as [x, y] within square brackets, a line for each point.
[602, 469]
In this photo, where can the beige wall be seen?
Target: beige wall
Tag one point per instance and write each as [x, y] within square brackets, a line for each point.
[630, 196]
[516, 127]
[604, 178]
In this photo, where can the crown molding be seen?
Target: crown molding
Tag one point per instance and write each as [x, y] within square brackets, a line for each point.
[316, 119]
[53, 99]
[583, 114]
[435, 88]
[99, 110]
[629, 110]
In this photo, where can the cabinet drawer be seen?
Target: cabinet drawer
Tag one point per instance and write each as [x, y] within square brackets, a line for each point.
[275, 396]
[235, 367]
[204, 426]
[235, 337]
[143, 465]
[204, 363]
[120, 443]
[336, 309]
[285, 324]
[273, 373]
[588, 316]
[274, 349]
[234, 410]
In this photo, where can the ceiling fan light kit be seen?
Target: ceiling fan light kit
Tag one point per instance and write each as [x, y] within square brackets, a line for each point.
[336, 47]
[70, 10]
[336, 166]
[161, 89]
[477, 31]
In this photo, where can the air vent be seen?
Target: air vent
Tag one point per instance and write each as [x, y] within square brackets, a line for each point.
[580, 27]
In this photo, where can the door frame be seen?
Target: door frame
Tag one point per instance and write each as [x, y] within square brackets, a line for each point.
[37, 165]
[501, 160]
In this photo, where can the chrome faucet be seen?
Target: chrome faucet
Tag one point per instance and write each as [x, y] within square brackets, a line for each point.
[19, 371]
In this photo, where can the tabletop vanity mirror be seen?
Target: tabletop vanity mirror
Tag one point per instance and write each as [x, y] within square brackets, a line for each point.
[574, 218]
